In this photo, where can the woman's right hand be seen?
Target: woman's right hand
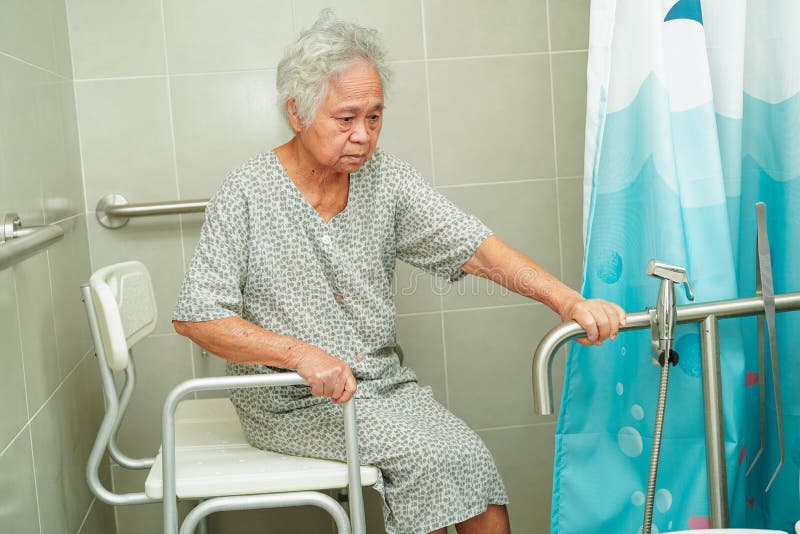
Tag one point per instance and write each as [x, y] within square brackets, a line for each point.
[328, 376]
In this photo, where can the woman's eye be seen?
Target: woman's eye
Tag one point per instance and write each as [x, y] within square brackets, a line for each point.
[374, 117]
[346, 119]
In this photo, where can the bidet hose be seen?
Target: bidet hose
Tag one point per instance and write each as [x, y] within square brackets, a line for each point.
[651, 481]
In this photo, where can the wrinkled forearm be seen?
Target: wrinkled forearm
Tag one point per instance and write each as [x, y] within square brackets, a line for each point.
[515, 271]
[241, 341]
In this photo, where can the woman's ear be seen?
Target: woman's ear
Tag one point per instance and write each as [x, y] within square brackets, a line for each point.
[291, 113]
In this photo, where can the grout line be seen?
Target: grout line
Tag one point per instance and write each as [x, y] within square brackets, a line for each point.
[428, 90]
[16, 436]
[498, 182]
[35, 481]
[575, 51]
[555, 145]
[53, 311]
[406, 61]
[419, 314]
[170, 110]
[497, 307]
[511, 427]
[490, 56]
[21, 349]
[121, 78]
[174, 75]
[86, 515]
[37, 67]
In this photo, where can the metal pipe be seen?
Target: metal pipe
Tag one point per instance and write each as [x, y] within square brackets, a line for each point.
[235, 382]
[18, 243]
[715, 432]
[109, 419]
[158, 208]
[557, 336]
[277, 500]
[124, 399]
[354, 469]
[113, 211]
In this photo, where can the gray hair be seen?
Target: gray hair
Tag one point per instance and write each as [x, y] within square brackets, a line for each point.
[322, 52]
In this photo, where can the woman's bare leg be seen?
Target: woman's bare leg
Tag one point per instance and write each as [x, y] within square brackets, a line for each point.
[440, 531]
[493, 521]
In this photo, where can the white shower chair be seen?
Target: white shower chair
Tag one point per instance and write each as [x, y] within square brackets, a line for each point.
[204, 454]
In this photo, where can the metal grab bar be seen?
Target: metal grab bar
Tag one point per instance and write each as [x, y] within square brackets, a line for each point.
[114, 211]
[18, 243]
[707, 315]
[696, 313]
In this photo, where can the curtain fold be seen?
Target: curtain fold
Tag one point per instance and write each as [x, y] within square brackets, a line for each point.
[693, 116]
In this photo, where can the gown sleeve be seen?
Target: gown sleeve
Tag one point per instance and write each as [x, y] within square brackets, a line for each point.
[212, 288]
[431, 232]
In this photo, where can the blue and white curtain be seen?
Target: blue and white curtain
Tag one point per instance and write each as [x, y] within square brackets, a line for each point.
[693, 116]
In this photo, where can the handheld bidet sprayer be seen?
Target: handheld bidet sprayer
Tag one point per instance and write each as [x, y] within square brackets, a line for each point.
[663, 319]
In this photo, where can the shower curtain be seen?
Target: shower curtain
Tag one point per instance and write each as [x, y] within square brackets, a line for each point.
[693, 116]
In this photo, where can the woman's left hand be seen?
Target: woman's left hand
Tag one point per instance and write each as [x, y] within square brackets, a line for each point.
[601, 319]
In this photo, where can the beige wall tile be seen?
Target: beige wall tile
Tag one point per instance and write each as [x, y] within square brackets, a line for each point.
[69, 268]
[26, 31]
[12, 379]
[20, 127]
[125, 139]
[524, 215]
[100, 520]
[226, 36]
[569, 87]
[524, 457]
[62, 185]
[570, 197]
[140, 518]
[62, 432]
[569, 24]
[399, 24]
[116, 38]
[155, 242]
[305, 519]
[39, 347]
[489, 363]
[221, 121]
[17, 492]
[420, 337]
[478, 28]
[491, 119]
[406, 128]
[161, 363]
[417, 291]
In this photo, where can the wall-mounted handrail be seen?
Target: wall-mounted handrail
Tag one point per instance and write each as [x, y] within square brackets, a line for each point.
[18, 243]
[696, 313]
[707, 315]
[113, 211]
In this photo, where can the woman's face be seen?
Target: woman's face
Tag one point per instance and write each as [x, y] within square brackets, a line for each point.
[345, 131]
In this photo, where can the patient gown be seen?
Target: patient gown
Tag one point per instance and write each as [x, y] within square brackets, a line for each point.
[266, 255]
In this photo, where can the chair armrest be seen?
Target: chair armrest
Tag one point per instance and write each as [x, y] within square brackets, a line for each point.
[249, 381]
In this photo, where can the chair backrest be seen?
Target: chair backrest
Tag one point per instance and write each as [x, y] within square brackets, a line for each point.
[125, 305]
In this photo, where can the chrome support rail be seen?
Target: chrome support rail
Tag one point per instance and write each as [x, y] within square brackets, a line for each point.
[358, 523]
[707, 314]
[18, 243]
[113, 211]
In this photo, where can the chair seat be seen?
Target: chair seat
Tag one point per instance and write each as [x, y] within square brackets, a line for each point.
[213, 458]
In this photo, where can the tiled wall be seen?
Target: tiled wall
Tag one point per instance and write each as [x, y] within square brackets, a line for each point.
[487, 102]
[49, 387]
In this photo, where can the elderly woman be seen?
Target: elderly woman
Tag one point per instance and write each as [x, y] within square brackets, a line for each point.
[294, 271]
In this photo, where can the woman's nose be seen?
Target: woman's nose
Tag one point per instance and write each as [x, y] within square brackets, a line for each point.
[359, 132]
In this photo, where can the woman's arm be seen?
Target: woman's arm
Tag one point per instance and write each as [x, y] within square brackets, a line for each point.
[241, 341]
[514, 270]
